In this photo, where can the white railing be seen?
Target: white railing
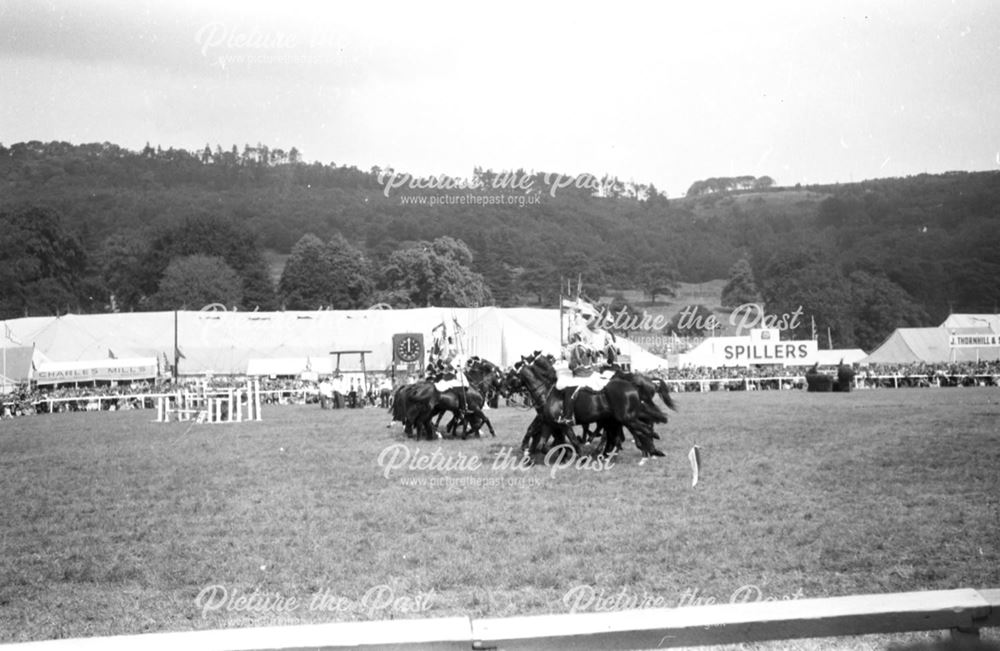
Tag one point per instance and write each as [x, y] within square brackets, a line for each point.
[962, 612]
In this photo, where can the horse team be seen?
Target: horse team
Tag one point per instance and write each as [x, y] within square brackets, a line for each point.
[625, 400]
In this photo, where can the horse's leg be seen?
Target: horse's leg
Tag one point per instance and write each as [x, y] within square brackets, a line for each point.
[489, 425]
[643, 434]
[612, 435]
[432, 431]
[529, 444]
[440, 411]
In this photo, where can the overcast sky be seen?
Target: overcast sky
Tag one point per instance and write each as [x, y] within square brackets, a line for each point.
[668, 93]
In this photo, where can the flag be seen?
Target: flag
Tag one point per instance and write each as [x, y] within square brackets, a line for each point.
[581, 306]
[179, 354]
[694, 456]
[111, 354]
[8, 334]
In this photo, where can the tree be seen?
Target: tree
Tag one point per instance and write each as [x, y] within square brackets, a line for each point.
[214, 236]
[122, 259]
[741, 287]
[693, 321]
[194, 281]
[435, 274]
[797, 279]
[42, 266]
[880, 306]
[540, 278]
[659, 278]
[351, 284]
[317, 275]
[305, 281]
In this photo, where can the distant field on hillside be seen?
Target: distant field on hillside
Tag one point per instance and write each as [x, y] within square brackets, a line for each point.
[781, 201]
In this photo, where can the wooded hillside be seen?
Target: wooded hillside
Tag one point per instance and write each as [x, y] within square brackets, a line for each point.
[83, 223]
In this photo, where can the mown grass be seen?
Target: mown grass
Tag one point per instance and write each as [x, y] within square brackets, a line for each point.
[112, 524]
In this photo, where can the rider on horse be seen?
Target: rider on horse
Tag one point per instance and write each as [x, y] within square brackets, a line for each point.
[589, 346]
[447, 371]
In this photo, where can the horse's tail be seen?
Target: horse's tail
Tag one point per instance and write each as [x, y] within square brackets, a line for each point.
[649, 412]
[664, 391]
[398, 407]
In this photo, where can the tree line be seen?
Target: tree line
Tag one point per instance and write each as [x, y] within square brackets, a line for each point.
[97, 227]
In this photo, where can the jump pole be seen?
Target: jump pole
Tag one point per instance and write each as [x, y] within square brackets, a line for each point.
[256, 400]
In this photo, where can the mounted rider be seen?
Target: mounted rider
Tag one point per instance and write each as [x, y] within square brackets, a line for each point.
[447, 366]
[588, 357]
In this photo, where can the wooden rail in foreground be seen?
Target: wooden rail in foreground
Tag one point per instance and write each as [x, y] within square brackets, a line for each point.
[963, 612]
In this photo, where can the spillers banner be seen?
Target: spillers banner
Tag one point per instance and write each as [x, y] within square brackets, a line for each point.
[408, 348]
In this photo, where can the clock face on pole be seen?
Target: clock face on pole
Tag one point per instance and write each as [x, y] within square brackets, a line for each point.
[408, 347]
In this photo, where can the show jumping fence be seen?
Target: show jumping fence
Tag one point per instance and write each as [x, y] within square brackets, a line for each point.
[961, 612]
[212, 405]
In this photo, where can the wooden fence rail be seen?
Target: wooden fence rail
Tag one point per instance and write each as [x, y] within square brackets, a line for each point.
[963, 612]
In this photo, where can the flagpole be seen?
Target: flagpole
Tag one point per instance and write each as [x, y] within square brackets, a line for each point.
[6, 338]
[176, 349]
[562, 326]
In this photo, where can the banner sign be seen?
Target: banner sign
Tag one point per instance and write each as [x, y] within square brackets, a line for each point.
[795, 353]
[96, 371]
[973, 341]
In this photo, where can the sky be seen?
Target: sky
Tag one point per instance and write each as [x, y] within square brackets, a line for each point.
[666, 93]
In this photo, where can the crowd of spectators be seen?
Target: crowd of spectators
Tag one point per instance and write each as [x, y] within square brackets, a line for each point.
[27, 400]
[982, 373]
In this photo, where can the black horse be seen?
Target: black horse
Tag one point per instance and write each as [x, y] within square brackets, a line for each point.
[485, 377]
[648, 388]
[416, 405]
[616, 406]
[472, 419]
[413, 405]
[817, 381]
[845, 377]
[480, 384]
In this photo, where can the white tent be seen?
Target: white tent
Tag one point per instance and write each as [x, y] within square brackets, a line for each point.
[224, 343]
[962, 321]
[937, 346]
[290, 366]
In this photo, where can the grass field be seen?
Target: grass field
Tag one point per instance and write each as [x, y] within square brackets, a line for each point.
[112, 524]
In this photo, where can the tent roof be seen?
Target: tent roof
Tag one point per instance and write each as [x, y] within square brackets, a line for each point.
[226, 342]
[294, 366]
[991, 321]
[930, 346]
